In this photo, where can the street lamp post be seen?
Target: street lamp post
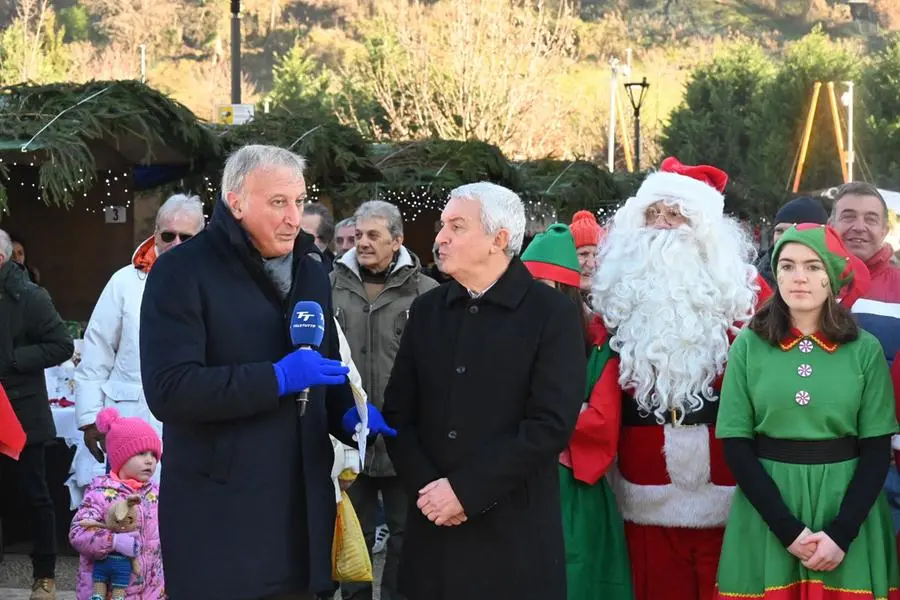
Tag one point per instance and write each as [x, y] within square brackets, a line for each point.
[636, 103]
[235, 51]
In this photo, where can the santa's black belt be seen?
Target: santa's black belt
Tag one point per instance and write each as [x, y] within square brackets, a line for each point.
[633, 417]
[807, 452]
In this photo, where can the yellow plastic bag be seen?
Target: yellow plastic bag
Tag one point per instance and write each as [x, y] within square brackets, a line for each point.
[349, 554]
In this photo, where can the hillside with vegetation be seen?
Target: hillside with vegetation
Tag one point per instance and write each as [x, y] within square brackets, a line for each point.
[529, 76]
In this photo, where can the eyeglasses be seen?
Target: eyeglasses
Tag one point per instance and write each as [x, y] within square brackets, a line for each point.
[670, 214]
[169, 236]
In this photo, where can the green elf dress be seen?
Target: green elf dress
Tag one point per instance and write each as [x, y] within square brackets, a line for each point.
[809, 405]
[597, 565]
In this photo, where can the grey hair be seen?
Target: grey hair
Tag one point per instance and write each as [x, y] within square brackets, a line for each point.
[248, 158]
[348, 222]
[180, 203]
[6, 246]
[384, 210]
[501, 208]
[326, 222]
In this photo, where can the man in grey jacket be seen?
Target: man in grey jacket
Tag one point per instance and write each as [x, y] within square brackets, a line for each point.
[373, 286]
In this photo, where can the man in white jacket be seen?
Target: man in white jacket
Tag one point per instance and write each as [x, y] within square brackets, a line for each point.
[110, 370]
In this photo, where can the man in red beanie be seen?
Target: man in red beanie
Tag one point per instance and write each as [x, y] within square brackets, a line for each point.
[587, 233]
[674, 279]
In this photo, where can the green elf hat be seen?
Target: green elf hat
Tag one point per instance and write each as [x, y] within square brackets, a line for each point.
[552, 255]
[848, 275]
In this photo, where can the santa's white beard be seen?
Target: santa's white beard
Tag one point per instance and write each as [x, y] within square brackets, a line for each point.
[670, 297]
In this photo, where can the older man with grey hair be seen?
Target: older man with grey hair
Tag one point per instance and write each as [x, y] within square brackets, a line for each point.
[247, 508]
[373, 286]
[32, 338]
[485, 391]
[109, 373]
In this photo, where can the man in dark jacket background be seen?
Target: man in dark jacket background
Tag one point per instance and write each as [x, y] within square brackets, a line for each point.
[799, 210]
[247, 502]
[32, 338]
[484, 394]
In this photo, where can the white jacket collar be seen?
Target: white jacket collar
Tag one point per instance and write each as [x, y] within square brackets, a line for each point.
[404, 259]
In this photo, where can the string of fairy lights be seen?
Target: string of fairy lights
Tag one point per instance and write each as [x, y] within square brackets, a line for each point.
[413, 203]
[116, 182]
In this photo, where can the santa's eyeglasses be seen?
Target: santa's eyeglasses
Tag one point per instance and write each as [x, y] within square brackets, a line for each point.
[670, 214]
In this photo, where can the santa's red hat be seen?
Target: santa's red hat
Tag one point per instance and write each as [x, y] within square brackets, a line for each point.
[696, 189]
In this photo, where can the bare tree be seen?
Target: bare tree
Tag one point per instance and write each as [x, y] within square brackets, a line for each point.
[130, 23]
[31, 14]
[470, 69]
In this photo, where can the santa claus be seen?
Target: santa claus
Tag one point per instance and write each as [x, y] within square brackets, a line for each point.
[674, 282]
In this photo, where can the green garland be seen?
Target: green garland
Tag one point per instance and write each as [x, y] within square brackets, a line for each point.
[94, 113]
[570, 186]
[341, 164]
[338, 165]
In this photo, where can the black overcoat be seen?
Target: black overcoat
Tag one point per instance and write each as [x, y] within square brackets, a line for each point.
[247, 502]
[486, 393]
[32, 338]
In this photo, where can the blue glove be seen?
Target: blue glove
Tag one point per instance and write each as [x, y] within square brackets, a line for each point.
[376, 422]
[305, 368]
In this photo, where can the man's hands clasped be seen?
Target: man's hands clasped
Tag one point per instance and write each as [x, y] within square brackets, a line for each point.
[439, 504]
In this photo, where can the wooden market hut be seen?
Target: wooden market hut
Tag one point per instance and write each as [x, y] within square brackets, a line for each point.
[72, 158]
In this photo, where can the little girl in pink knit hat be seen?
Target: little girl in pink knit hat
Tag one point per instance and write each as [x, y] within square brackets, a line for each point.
[134, 450]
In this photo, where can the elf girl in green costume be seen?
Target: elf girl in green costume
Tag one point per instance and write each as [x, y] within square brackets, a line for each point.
[807, 414]
[597, 565]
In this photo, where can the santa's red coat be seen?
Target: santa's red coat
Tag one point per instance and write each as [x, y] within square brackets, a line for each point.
[675, 476]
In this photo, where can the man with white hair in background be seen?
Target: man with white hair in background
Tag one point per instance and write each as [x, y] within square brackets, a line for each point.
[484, 394]
[109, 373]
[674, 281]
[247, 508]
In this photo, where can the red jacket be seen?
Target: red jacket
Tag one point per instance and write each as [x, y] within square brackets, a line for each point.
[878, 311]
[12, 436]
[595, 440]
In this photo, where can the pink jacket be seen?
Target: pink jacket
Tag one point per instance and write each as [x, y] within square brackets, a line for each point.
[94, 544]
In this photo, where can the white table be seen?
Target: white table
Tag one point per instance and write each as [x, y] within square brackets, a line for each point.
[84, 466]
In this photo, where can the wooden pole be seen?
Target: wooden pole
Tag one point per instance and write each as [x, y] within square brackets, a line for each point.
[807, 132]
[838, 133]
[626, 143]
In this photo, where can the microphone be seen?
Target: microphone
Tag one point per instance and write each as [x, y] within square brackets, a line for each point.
[307, 330]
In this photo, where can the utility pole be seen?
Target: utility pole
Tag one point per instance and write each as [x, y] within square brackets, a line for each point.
[235, 51]
[616, 69]
[848, 102]
[611, 139]
[143, 63]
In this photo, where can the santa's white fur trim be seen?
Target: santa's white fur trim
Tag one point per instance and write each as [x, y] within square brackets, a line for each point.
[673, 506]
[691, 500]
[687, 456]
[689, 193]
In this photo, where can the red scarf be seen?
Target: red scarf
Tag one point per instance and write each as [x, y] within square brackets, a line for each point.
[145, 255]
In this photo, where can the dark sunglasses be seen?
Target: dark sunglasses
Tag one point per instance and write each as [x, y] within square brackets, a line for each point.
[169, 236]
